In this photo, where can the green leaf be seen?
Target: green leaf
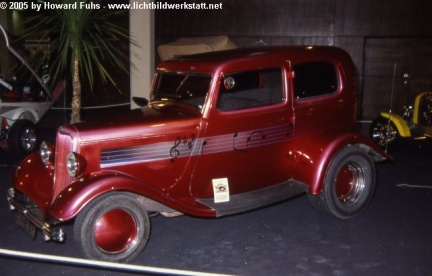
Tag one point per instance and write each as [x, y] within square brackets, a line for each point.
[89, 33]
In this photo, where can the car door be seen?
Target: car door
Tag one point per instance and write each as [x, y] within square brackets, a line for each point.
[247, 129]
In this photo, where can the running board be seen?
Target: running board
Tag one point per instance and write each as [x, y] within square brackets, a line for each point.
[256, 199]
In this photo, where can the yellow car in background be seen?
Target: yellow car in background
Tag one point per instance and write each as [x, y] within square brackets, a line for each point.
[416, 122]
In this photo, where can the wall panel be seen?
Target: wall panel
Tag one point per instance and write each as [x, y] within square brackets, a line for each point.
[403, 65]
[375, 33]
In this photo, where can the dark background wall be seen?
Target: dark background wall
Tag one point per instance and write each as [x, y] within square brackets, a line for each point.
[390, 41]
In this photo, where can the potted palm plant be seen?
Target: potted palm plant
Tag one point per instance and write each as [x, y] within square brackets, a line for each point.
[85, 43]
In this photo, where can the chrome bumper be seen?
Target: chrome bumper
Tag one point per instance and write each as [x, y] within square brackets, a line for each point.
[35, 220]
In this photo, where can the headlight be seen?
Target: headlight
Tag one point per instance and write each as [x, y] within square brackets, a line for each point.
[46, 153]
[75, 164]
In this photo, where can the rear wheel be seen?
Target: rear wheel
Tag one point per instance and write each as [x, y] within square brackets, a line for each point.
[349, 184]
[114, 227]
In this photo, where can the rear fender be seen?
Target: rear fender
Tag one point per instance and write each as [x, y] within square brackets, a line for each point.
[417, 103]
[399, 122]
[316, 154]
[77, 195]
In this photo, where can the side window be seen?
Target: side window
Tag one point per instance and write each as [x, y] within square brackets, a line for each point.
[314, 79]
[250, 89]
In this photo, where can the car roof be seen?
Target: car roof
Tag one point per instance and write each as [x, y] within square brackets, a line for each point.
[211, 60]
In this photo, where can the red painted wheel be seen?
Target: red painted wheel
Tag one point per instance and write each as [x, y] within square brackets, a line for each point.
[114, 227]
[115, 231]
[348, 186]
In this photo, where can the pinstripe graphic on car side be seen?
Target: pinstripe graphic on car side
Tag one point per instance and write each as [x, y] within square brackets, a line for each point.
[191, 146]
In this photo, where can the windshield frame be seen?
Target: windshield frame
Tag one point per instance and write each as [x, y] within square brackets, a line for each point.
[181, 91]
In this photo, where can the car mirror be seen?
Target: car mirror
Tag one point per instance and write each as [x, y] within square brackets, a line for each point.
[140, 101]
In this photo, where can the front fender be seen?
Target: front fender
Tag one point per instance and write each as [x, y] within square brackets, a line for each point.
[314, 156]
[77, 195]
[35, 180]
[399, 122]
[20, 113]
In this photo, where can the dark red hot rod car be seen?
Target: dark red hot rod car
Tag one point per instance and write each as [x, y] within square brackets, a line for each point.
[223, 133]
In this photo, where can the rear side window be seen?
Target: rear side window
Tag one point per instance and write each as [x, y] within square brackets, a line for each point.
[314, 79]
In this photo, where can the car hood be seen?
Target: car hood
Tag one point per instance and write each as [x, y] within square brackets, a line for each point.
[154, 120]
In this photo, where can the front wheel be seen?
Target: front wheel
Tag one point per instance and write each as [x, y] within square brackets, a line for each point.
[348, 186]
[22, 137]
[383, 132]
[114, 227]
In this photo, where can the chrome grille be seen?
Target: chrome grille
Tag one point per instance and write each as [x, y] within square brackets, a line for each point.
[64, 145]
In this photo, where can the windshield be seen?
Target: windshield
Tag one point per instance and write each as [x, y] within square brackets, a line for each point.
[190, 89]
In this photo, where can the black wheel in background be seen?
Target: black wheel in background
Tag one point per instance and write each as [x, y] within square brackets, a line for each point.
[384, 133]
[23, 138]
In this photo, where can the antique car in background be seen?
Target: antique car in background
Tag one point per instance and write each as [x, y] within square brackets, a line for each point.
[222, 133]
[416, 122]
[24, 99]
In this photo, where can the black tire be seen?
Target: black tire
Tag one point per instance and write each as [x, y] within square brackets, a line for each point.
[114, 227]
[384, 133]
[23, 138]
[348, 186]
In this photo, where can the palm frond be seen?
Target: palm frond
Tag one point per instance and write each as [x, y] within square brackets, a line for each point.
[89, 33]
